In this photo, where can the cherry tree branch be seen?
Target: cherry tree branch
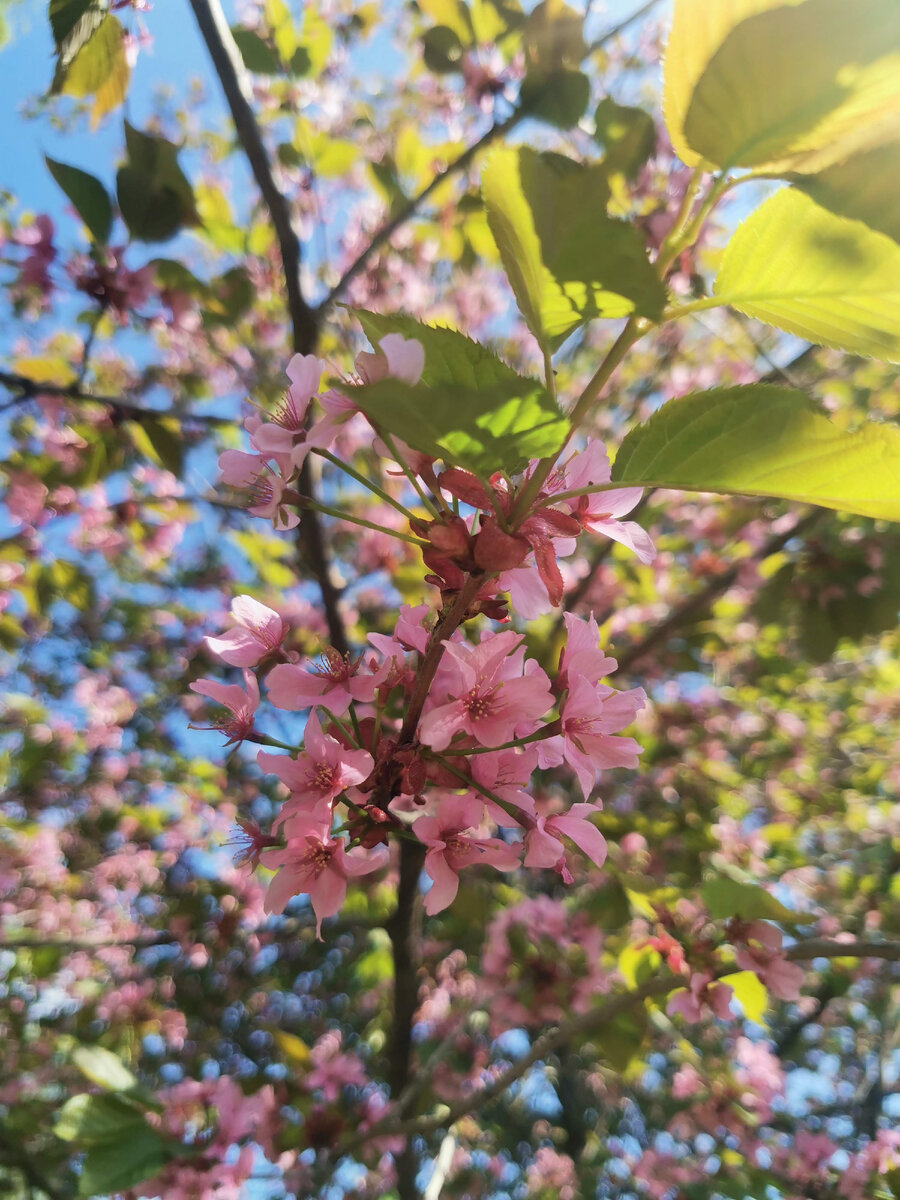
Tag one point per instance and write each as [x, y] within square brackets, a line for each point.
[31, 389]
[832, 948]
[235, 81]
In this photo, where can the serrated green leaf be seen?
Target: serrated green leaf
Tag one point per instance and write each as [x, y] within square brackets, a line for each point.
[795, 265]
[102, 1067]
[88, 195]
[450, 356]
[698, 30]
[726, 897]
[483, 429]
[753, 106]
[567, 263]
[763, 440]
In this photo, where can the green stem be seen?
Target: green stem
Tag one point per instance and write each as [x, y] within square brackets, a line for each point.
[692, 306]
[347, 732]
[263, 739]
[341, 515]
[365, 481]
[409, 473]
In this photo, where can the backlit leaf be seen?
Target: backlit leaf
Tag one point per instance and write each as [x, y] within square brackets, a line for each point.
[627, 135]
[117, 1166]
[99, 68]
[566, 261]
[750, 992]
[825, 278]
[726, 897]
[698, 30]
[865, 187]
[755, 105]
[484, 429]
[92, 1120]
[763, 440]
[559, 98]
[102, 1067]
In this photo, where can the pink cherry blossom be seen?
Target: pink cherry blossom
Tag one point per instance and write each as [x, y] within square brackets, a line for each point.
[544, 841]
[506, 773]
[702, 992]
[600, 511]
[592, 713]
[582, 654]
[242, 703]
[450, 847]
[489, 698]
[333, 682]
[318, 865]
[260, 630]
[322, 770]
[762, 952]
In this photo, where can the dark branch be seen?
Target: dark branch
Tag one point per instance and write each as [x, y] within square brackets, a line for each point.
[226, 58]
[30, 389]
[828, 948]
[229, 65]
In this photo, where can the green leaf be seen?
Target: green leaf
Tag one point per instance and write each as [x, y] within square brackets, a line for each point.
[553, 37]
[484, 429]
[627, 135]
[160, 440]
[102, 1067]
[864, 187]
[698, 30]
[763, 440]
[155, 197]
[88, 195]
[93, 1120]
[98, 67]
[559, 98]
[66, 15]
[450, 356]
[726, 897]
[115, 1167]
[259, 57]
[754, 106]
[638, 964]
[750, 993]
[566, 262]
[795, 265]
[441, 49]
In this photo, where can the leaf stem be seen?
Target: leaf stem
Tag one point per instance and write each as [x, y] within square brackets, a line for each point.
[365, 481]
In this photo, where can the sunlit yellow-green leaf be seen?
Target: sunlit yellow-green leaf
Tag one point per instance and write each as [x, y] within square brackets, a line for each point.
[699, 27]
[99, 69]
[763, 440]
[800, 87]
[829, 279]
[566, 261]
[452, 14]
[750, 993]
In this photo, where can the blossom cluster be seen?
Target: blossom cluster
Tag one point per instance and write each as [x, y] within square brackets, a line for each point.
[430, 733]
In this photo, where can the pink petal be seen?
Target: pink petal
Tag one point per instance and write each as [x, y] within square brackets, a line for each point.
[237, 647]
[587, 837]
[445, 882]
